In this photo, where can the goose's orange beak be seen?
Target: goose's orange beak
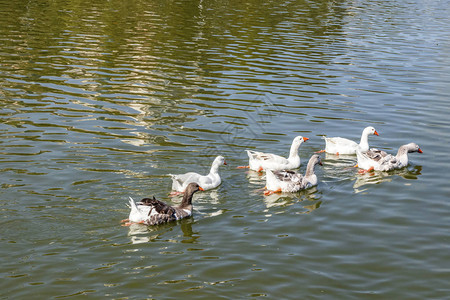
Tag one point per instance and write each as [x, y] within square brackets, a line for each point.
[376, 133]
[305, 139]
[420, 151]
[200, 188]
[224, 162]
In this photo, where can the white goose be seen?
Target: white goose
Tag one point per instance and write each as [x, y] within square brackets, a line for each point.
[338, 145]
[291, 181]
[259, 161]
[154, 212]
[207, 182]
[378, 160]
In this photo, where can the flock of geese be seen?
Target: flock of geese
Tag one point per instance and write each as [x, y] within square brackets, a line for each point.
[280, 175]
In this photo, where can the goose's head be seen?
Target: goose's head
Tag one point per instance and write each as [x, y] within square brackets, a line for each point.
[192, 188]
[315, 160]
[370, 130]
[413, 147]
[299, 139]
[220, 160]
[318, 160]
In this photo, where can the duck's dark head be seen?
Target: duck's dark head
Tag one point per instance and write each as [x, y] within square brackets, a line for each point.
[189, 192]
[192, 188]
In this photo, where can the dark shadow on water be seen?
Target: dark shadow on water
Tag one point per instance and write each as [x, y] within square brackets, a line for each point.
[189, 236]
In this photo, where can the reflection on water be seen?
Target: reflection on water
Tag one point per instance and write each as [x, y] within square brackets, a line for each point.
[140, 233]
[189, 236]
[410, 172]
[308, 200]
[102, 99]
[363, 180]
[278, 199]
[256, 178]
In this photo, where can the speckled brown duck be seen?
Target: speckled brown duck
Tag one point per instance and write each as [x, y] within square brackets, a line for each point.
[150, 211]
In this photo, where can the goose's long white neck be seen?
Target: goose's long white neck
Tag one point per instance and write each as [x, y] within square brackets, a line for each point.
[310, 168]
[402, 155]
[364, 142]
[214, 169]
[293, 153]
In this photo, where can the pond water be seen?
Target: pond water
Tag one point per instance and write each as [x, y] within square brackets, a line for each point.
[102, 99]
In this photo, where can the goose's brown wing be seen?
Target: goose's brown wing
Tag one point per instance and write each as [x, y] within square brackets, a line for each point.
[159, 206]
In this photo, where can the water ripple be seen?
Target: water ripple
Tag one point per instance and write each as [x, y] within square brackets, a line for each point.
[100, 101]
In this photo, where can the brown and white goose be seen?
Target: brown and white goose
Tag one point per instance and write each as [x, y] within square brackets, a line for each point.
[150, 211]
[291, 181]
[378, 160]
